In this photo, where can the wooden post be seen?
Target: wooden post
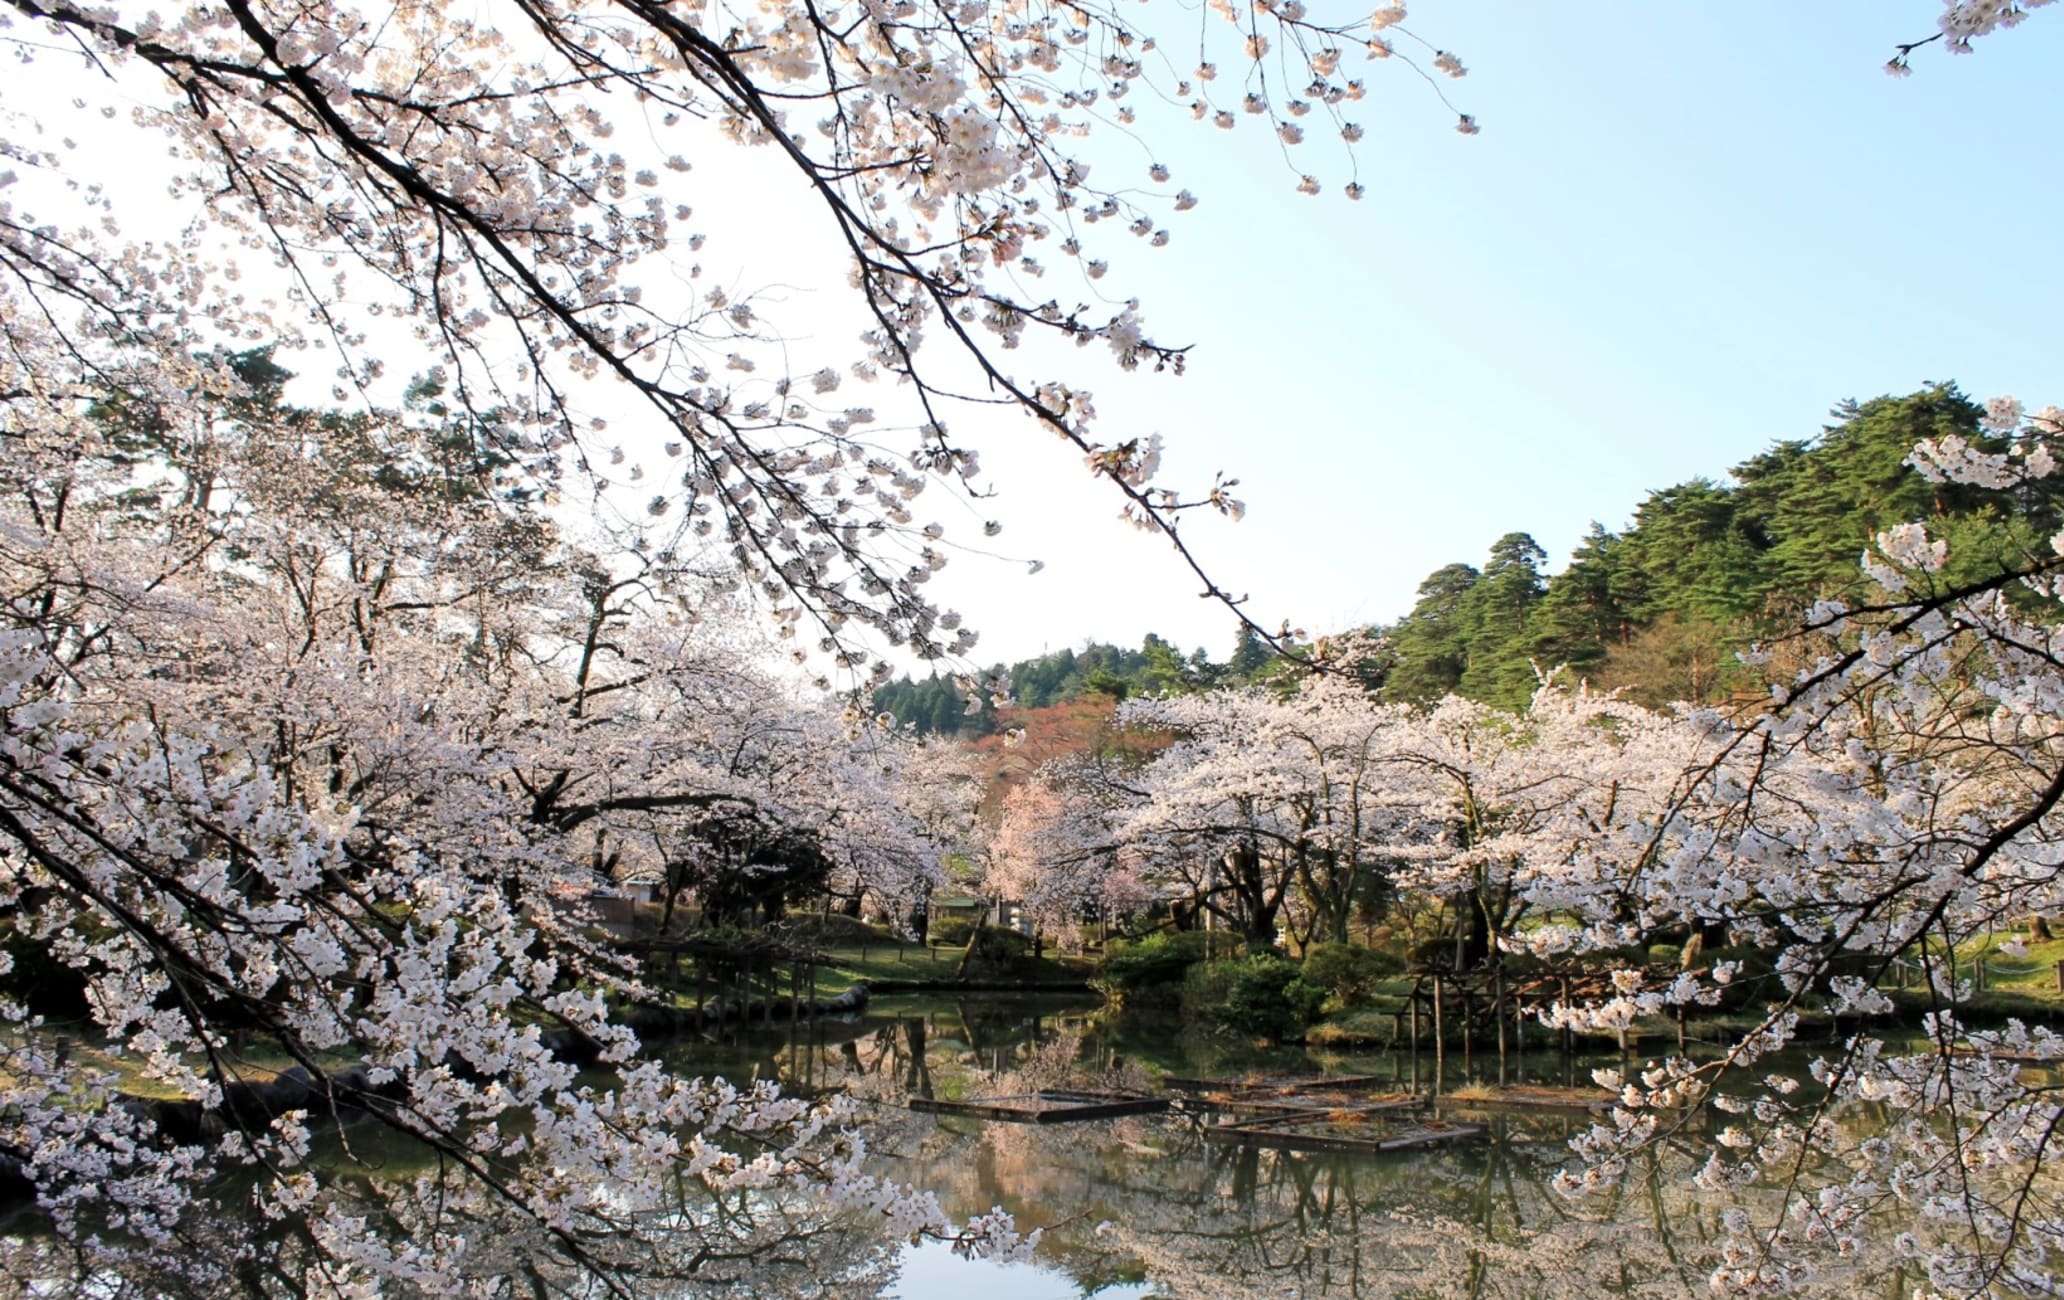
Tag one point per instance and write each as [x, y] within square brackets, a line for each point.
[1569, 1036]
[1440, 1037]
[2060, 977]
[1498, 1014]
[1519, 1019]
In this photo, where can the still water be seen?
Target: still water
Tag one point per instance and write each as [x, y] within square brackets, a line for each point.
[1143, 1206]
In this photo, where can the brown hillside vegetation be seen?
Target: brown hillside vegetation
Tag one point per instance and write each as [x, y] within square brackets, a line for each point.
[1078, 726]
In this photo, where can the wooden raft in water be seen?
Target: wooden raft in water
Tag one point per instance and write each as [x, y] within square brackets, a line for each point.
[1320, 1114]
[1278, 1085]
[1528, 1096]
[1365, 1131]
[1300, 1096]
[1047, 1106]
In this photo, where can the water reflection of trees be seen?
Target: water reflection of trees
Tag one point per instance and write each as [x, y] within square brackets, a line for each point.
[1151, 1198]
[887, 1055]
[1199, 1219]
[392, 1193]
[770, 1244]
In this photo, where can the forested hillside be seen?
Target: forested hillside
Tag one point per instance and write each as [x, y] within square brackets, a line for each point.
[937, 705]
[1707, 566]
[1659, 609]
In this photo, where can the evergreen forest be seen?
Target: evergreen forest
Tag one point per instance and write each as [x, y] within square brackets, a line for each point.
[937, 705]
[1661, 608]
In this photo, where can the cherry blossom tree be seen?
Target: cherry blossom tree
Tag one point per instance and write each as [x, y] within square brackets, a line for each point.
[909, 804]
[1896, 800]
[1960, 23]
[1055, 850]
[516, 188]
[1547, 814]
[1265, 799]
[310, 726]
[311, 741]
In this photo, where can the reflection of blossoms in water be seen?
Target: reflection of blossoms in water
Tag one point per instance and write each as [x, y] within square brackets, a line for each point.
[1058, 1062]
[1209, 1222]
[1148, 1199]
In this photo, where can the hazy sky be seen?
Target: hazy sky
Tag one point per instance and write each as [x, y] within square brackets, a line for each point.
[1685, 232]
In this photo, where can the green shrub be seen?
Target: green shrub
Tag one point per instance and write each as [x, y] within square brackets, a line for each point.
[1521, 965]
[835, 931]
[1001, 952]
[1205, 985]
[1347, 972]
[1265, 998]
[1159, 960]
[950, 931]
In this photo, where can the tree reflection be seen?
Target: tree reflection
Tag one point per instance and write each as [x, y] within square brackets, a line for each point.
[1150, 1198]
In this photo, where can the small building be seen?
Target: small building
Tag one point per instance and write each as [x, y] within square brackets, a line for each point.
[963, 907]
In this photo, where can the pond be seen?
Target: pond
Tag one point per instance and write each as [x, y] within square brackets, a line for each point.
[1145, 1206]
[1149, 1207]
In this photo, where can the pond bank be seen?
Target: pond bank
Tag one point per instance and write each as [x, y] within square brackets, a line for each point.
[1080, 987]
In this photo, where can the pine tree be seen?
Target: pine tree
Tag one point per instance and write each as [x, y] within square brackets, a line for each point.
[1501, 604]
[1433, 641]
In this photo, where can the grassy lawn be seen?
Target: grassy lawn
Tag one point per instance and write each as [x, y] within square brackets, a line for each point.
[1366, 1023]
[892, 961]
[131, 1079]
[2034, 975]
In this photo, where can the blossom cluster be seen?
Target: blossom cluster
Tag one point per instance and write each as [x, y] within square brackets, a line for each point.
[514, 192]
[1893, 801]
[316, 738]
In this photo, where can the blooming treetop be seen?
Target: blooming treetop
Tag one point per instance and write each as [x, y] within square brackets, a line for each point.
[1263, 798]
[516, 186]
[1055, 852]
[1898, 797]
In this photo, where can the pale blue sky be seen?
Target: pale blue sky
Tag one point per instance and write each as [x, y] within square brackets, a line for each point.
[1686, 231]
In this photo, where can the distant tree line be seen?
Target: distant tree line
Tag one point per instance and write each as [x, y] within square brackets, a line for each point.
[1662, 608]
[936, 705]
